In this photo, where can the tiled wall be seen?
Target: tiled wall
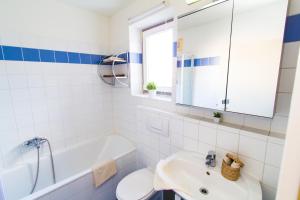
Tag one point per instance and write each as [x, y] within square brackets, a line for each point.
[265, 167]
[46, 88]
[187, 133]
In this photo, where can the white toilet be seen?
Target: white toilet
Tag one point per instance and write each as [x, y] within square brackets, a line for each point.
[136, 186]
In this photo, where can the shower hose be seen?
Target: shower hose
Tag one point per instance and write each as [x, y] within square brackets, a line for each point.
[38, 166]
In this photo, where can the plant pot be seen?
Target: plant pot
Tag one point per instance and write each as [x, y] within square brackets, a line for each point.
[152, 93]
[217, 120]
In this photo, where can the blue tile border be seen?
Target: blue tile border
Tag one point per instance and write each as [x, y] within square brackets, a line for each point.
[15, 53]
[292, 29]
[61, 57]
[136, 58]
[12, 53]
[85, 58]
[47, 55]
[1, 53]
[74, 58]
[174, 49]
[96, 59]
[199, 62]
[30, 54]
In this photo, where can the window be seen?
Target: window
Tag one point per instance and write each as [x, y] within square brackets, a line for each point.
[158, 57]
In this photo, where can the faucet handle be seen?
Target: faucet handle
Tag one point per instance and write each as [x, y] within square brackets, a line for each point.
[211, 155]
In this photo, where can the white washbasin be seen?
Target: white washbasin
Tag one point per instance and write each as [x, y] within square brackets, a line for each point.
[186, 173]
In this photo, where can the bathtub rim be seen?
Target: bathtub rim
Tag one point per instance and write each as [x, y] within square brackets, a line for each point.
[79, 175]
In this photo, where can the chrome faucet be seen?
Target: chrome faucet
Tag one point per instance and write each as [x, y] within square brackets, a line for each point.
[211, 159]
[35, 142]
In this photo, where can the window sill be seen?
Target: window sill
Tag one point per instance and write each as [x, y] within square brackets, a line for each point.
[157, 97]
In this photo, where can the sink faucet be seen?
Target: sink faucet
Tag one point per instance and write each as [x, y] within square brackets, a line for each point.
[211, 159]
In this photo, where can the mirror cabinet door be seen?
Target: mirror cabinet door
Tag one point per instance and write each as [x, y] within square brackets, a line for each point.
[203, 54]
[256, 45]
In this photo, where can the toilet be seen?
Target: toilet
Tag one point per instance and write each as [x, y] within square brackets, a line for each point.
[136, 186]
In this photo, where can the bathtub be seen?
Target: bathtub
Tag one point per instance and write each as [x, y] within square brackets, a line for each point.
[73, 172]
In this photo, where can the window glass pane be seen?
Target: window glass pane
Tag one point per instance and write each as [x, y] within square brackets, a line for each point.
[159, 58]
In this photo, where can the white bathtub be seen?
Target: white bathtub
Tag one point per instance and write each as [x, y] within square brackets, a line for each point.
[73, 172]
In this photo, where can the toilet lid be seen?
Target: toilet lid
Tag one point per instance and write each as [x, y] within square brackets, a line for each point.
[136, 185]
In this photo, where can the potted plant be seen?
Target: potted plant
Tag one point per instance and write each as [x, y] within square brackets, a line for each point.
[217, 117]
[151, 87]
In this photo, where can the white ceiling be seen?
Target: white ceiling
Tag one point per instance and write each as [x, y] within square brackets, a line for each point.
[105, 7]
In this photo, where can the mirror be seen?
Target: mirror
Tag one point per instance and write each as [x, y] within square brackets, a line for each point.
[203, 53]
[257, 38]
[229, 56]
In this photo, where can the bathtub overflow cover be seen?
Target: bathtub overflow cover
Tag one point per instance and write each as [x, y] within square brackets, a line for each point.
[203, 191]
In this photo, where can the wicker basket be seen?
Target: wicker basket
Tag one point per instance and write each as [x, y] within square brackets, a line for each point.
[230, 173]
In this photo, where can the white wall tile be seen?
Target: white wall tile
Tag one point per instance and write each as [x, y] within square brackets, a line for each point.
[7, 124]
[268, 193]
[271, 175]
[228, 141]
[279, 124]
[4, 84]
[290, 54]
[165, 148]
[274, 154]
[252, 167]
[190, 129]
[15, 68]
[190, 144]
[2, 68]
[176, 125]
[35, 81]
[283, 104]
[204, 148]
[253, 148]
[286, 80]
[177, 140]
[207, 135]
[18, 81]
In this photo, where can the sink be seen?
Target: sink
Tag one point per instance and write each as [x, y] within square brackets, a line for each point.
[187, 174]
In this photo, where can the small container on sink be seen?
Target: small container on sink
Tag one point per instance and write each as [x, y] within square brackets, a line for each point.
[230, 172]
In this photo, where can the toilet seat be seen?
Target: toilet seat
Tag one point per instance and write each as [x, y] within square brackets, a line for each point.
[136, 186]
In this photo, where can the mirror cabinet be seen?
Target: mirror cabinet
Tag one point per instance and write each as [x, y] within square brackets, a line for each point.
[229, 56]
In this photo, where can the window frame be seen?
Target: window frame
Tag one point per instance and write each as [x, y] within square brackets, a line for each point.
[150, 31]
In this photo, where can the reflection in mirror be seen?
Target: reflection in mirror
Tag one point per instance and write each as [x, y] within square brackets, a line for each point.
[257, 37]
[203, 53]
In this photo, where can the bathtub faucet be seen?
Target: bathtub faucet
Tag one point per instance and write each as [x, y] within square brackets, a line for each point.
[35, 142]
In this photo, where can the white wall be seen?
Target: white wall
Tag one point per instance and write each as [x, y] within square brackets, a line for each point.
[51, 24]
[67, 103]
